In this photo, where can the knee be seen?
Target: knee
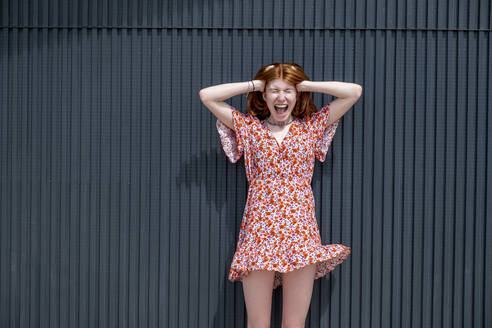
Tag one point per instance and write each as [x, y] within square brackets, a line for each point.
[292, 324]
[258, 324]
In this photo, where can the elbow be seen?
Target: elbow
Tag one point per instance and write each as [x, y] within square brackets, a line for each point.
[202, 94]
[358, 90]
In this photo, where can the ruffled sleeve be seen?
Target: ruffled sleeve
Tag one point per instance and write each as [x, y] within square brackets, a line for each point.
[233, 141]
[323, 132]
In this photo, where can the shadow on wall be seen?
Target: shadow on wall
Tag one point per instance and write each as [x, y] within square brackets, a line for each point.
[222, 192]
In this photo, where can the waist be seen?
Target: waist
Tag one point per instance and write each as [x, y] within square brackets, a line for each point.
[278, 179]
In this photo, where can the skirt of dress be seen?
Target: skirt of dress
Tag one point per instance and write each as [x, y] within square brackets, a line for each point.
[326, 258]
[279, 232]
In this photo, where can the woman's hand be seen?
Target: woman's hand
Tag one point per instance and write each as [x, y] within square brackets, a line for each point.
[259, 85]
[303, 86]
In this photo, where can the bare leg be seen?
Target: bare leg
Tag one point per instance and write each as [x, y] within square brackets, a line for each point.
[297, 289]
[258, 289]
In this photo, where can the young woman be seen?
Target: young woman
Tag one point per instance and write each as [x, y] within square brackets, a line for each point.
[280, 136]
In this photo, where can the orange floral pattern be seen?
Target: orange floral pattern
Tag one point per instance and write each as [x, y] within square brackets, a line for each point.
[279, 231]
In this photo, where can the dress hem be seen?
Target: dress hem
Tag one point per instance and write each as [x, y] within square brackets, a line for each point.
[324, 266]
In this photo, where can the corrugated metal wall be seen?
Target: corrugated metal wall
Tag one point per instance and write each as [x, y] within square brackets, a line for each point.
[119, 208]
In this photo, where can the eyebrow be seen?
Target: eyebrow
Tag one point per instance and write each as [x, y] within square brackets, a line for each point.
[289, 88]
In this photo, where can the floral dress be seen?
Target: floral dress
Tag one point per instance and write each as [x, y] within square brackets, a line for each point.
[279, 231]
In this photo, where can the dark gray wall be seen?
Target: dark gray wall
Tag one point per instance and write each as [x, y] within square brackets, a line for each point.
[118, 208]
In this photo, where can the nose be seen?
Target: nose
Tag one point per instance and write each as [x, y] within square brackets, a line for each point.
[281, 95]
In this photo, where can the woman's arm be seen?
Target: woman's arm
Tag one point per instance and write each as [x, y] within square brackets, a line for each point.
[213, 97]
[347, 95]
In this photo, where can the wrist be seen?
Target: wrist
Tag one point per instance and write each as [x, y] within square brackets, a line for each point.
[250, 87]
[255, 85]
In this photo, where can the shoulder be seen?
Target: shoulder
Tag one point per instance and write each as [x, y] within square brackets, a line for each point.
[323, 111]
[320, 116]
[244, 118]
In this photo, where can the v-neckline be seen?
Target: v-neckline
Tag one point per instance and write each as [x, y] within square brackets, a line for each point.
[269, 133]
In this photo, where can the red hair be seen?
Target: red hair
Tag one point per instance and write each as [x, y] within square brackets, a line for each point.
[289, 72]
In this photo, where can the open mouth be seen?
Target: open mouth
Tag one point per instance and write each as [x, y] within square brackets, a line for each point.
[280, 108]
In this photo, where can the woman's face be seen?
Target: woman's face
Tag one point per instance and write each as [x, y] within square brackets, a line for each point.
[280, 97]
